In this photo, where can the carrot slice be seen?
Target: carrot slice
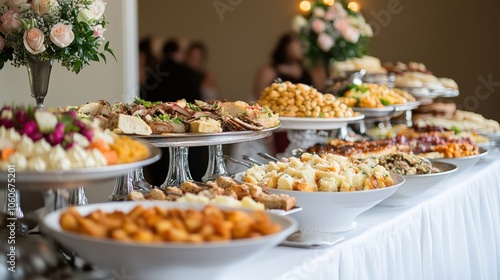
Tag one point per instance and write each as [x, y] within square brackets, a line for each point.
[100, 144]
[6, 153]
[111, 157]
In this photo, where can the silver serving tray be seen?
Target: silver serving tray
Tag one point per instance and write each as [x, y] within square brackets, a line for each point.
[68, 179]
[205, 139]
[300, 123]
[387, 111]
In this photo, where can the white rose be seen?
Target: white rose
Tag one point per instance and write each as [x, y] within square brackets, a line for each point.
[325, 42]
[62, 35]
[45, 7]
[85, 15]
[97, 8]
[33, 41]
[298, 23]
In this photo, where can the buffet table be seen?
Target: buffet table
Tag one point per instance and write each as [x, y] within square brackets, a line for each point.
[450, 232]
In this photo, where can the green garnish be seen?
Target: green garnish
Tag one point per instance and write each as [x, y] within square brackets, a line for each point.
[320, 114]
[361, 88]
[384, 102]
[193, 107]
[165, 118]
[147, 104]
[456, 129]
[177, 120]
[268, 111]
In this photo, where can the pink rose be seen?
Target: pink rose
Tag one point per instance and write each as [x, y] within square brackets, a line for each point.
[325, 42]
[45, 7]
[341, 24]
[10, 21]
[2, 43]
[33, 41]
[61, 35]
[318, 26]
[98, 31]
[97, 8]
[351, 34]
[335, 11]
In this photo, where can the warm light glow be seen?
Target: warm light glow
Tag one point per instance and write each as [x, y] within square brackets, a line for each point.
[353, 6]
[305, 6]
[328, 2]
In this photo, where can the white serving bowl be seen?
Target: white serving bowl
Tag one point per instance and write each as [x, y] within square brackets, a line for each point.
[463, 163]
[415, 185]
[336, 211]
[163, 260]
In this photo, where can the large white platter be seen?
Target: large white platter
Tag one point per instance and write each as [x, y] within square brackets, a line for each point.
[317, 123]
[73, 178]
[163, 260]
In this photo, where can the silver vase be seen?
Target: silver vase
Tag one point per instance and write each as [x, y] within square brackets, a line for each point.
[39, 76]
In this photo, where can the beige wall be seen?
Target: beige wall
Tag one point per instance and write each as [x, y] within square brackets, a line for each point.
[456, 39]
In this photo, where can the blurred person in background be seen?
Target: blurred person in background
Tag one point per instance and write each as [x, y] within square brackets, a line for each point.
[287, 64]
[174, 81]
[147, 62]
[196, 59]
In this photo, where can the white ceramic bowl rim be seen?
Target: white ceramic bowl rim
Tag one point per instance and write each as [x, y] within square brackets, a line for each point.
[161, 245]
[482, 153]
[450, 168]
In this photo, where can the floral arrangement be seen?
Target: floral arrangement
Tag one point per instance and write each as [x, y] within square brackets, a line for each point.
[332, 32]
[69, 31]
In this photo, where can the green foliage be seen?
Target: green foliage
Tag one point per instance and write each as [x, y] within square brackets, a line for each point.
[84, 49]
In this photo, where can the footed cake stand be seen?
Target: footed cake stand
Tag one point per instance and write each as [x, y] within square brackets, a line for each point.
[178, 169]
[306, 132]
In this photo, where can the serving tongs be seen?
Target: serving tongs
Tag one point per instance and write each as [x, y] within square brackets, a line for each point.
[251, 161]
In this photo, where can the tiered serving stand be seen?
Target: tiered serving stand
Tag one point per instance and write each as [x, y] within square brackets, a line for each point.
[305, 132]
[178, 168]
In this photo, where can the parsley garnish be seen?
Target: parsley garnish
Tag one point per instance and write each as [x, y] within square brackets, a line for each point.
[145, 103]
[193, 107]
[177, 120]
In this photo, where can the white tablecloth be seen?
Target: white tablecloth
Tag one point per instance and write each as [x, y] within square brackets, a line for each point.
[450, 232]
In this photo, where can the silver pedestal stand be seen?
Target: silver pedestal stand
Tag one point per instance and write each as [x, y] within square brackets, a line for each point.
[178, 144]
